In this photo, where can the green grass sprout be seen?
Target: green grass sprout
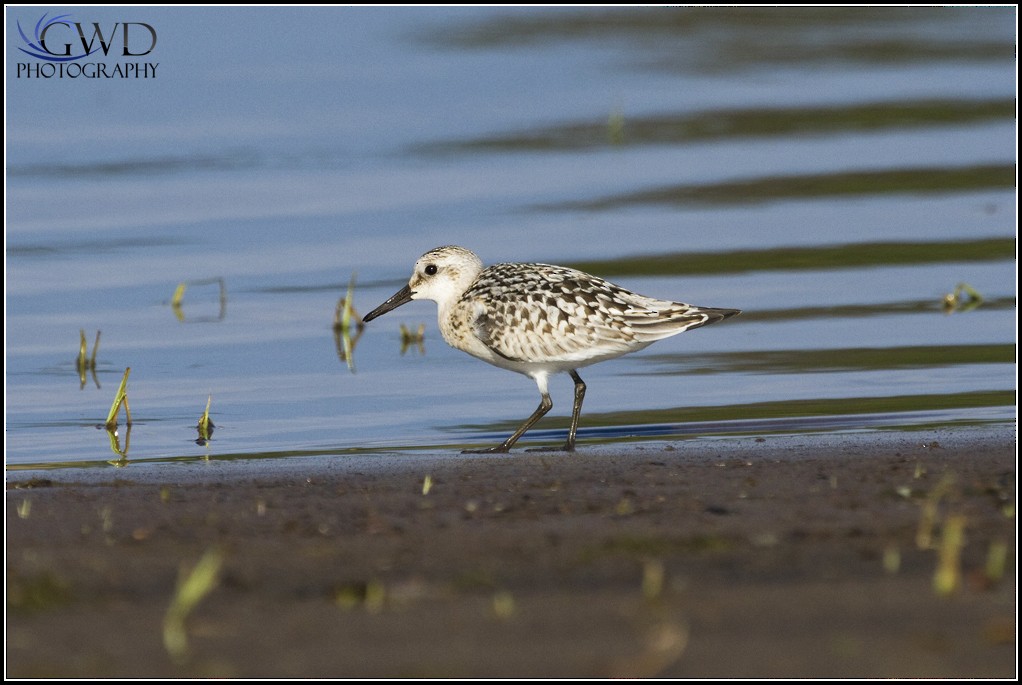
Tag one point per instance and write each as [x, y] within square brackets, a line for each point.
[653, 575]
[955, 302]
[928, 518]
[344, 316]
[120, 398]
[892, 558]
[410, 337]
[345, 312]
[84, 362]
[115, 446]
[997, 558]
[192, 587]
[179, 295]
[205, 426]
[948, 576]
[503, 605]
[177, 299]
[370, 595]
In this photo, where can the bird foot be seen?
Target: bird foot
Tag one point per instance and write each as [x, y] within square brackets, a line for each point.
[499, 449]
[563, 448]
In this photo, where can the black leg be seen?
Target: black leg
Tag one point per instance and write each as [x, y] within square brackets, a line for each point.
[576, 410]
[544, 406]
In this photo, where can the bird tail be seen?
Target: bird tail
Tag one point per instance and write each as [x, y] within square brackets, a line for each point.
[677, 317]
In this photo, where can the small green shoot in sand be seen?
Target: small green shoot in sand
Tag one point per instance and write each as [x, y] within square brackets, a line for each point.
[120, 398]
[892, 558]
[997, 558]
[370, 595]
[192, 587]
[928, 517]
[653, 575]
[503, 605]
[948, 576]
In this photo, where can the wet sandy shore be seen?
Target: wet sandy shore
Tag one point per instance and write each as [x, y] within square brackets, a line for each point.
[808, 556]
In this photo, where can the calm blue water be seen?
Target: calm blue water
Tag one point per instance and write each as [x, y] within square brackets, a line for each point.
[285, 150]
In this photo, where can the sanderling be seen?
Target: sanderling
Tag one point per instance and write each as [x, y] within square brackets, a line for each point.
[539, 319]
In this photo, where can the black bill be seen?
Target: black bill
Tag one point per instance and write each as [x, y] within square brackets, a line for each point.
[401, 297]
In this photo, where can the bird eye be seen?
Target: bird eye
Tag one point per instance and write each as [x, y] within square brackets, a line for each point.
[430, 269]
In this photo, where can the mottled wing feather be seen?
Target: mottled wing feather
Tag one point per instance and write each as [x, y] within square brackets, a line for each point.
[543, 313]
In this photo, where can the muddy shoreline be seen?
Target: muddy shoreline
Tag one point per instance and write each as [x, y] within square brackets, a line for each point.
[740, 557]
